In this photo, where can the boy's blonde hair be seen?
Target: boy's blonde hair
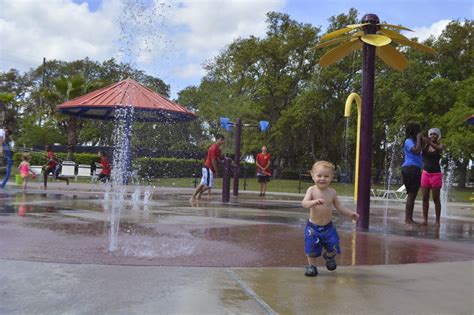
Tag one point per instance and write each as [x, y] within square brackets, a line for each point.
[324, 164]
[26, 157]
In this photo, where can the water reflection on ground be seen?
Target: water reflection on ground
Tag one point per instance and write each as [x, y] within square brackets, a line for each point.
[249, 231]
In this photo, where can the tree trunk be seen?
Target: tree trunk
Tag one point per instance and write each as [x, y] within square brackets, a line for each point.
[276, 169]
[72, 135]
[463, 174]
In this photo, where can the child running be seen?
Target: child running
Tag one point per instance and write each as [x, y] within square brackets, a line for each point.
[53, 166]
[104, 175]
[25, 170]
[319, 231]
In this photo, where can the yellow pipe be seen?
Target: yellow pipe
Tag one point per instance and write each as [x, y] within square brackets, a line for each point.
[347, 112]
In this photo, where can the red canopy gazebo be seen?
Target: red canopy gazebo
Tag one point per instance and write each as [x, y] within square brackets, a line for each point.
[148, 106]
[125, 102]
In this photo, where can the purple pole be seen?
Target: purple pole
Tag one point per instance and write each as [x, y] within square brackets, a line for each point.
[237, 136]
[366, 128]
[226, 180]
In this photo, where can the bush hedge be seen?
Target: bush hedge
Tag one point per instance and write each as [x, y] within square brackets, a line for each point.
[176, 168]
[147, 167]
[38, 158]
[165, 167]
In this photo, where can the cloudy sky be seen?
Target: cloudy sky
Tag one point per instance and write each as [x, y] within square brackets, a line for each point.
[172, 39]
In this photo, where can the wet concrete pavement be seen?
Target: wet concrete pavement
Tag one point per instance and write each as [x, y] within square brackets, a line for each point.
[249, 245]
[52, 288]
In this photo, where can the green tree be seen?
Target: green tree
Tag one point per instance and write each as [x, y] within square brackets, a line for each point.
[259, 78]
[459, 136]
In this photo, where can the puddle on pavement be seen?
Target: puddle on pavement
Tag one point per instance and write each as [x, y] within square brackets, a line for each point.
[170, 231]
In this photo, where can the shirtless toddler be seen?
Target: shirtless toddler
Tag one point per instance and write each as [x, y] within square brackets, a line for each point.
[319, 231]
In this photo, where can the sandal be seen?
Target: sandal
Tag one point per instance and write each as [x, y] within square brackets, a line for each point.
[311, 271]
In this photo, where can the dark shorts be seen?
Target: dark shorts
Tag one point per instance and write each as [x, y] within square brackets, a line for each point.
[104, 178]
[261, 178]
[411, 178]
[54, 170]
[318, 237]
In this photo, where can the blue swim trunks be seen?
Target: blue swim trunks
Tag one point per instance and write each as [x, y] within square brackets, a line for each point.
[318, 237]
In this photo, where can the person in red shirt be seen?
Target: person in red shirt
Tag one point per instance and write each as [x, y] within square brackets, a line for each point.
[104, 175]
[52, 166]
[263, 170]
[210, 167]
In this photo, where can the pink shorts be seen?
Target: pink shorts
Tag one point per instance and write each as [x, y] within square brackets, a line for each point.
[431, 180]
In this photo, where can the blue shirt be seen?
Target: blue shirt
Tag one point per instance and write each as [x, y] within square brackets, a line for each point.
[411, 159]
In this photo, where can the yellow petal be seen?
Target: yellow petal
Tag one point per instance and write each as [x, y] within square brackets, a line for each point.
[341, 31]
[339, 52]
[336, 40]
[357, 25]
[392, 57]
[376, 40]
[391, 34]
[415, 45]
[397, 27]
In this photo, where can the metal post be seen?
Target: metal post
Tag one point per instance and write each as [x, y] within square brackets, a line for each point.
[237, 136]
[226, 180]
[245, 176]
[7, 152]
[42, 81]
[366, 130]
[299, 183]
[195, 171]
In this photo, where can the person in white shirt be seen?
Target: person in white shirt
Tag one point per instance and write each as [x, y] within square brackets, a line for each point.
[2, 139]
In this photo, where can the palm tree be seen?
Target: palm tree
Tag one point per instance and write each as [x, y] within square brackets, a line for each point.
[65, 90]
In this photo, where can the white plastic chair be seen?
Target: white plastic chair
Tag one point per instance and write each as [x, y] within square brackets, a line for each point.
[83, 170]
[400, 193]
[68, 169]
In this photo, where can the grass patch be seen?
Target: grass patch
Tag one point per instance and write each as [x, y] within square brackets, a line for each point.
[288, 186]
[295, 186]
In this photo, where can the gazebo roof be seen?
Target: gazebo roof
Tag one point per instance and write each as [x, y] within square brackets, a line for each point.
[147, 104]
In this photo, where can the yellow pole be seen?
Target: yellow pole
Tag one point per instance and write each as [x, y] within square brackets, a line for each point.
[347, 112]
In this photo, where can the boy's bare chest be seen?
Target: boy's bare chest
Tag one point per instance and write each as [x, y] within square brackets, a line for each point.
[326, 196]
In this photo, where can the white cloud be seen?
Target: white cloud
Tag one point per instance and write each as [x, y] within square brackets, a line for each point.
[190, 71]
[55, 29]
[166, 38]
[211, 24]
[423, 32]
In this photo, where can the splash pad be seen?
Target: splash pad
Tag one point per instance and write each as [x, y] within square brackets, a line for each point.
[247, 232]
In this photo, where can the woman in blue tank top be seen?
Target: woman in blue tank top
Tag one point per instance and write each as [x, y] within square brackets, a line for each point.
[411, 168]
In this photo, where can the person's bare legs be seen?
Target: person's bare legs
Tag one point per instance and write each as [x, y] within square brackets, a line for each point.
[25, 182]
[261, 189]
[45, 177]
[426, 204]
[203, 189]
[196, 192]
[63, 179]
[264, 188]
[410, 204]
[437, 202]
[311, 260]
